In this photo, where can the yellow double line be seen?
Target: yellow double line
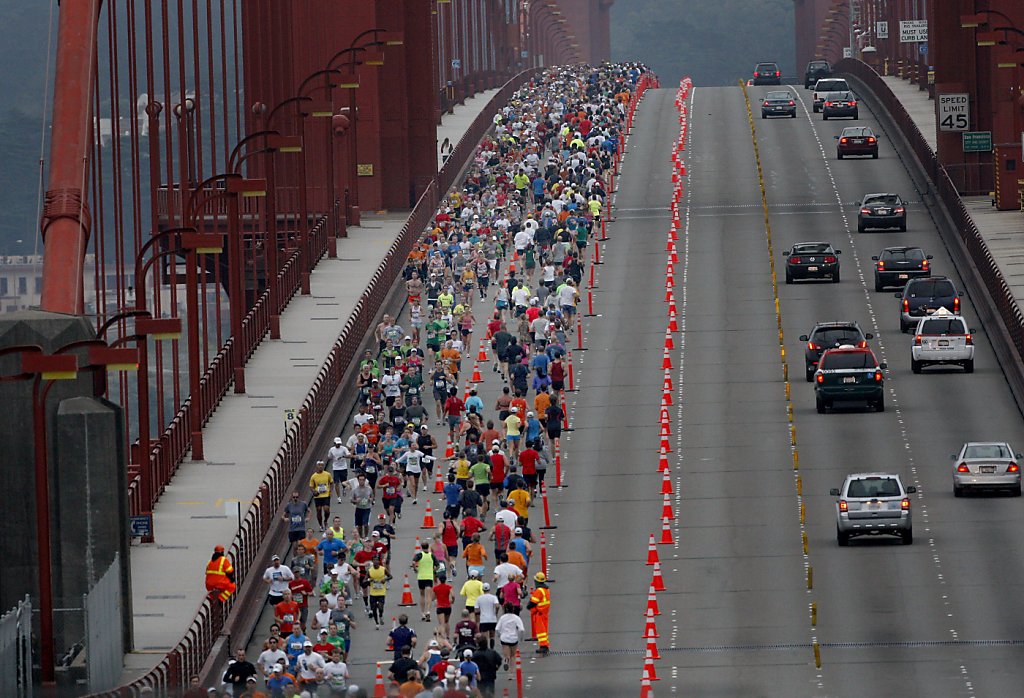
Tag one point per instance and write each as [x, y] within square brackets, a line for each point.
[812, 606]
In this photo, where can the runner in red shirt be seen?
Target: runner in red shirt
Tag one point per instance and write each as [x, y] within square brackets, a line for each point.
[453, 409]
[528, 458]
[443, 596]
[301, 591]
[501, 535]
[390, 486]
[498, 465]
[286, 612]
[362, 561]
[470, 525]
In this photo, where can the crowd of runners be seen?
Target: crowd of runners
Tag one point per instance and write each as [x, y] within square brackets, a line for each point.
[502, 263]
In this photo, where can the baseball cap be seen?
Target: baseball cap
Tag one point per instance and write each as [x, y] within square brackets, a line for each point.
[495, 442]
[487, 586]
[467, 653]
[376, 534]
[529, 414]
[434, 643]
[518, 529]
[276, 557]
[337, 439]
[450, 672]
[307, 643]
[278, 667]
[323, 631]
[515, 409]
[474, 573]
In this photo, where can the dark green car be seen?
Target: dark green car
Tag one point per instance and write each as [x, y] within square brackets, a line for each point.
[848, 374]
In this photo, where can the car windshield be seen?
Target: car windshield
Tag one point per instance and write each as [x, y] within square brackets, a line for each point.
[887, 199]
[987, 451]
[765, 66]
[932, 288]
[871, 487]
[837, 336]
[817, 65]
[941, 326]
[839, 96]
[812, 248]
[848, 359]
[857, 131]
[914, 254]
[830, 85]
[778, 95]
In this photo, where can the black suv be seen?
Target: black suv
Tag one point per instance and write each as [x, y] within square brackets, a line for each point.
[767, 74]
[828, 335]
[816, 70]
[923, 297]
[895, 266]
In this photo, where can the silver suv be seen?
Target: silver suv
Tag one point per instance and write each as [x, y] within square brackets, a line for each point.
[871, 504]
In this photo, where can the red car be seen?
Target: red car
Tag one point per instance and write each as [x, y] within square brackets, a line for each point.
[857, 140]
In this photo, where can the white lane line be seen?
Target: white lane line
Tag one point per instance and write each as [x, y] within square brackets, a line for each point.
[914, 476]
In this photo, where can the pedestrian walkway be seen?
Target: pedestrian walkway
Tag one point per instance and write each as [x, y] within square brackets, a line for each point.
[1003, 231]
[202, 505]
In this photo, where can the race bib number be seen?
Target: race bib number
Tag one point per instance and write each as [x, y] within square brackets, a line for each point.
[321, 489]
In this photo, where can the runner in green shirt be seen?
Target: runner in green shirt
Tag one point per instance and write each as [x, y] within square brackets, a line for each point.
[481, 474]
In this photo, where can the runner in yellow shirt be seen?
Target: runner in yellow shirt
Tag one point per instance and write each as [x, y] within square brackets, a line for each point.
[521, 501]
[320, 486]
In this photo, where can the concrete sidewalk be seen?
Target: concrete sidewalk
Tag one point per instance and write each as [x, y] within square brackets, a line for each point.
[202, 505]
[1003, 231]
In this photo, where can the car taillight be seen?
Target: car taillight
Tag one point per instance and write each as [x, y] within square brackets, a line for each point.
[956, 305]
[881, 265]
[830, 260]
[792, 103]
[765, 103]
[794, 260]
[843, 140]
[878, 376]
[899, 209]
[820, 378]
[1013, 468]
[863, 344]
[812, 346]
[905, 504]
[917, 340]
[828, 104]
[843, 506]
[969, 340]
[962, 468]
[906, 305]
[871, 139]
[853, 103]
[778, 74]
[865, 210]
[924, 264]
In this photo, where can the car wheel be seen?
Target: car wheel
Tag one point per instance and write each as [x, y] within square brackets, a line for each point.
[789, 278]
[839, 155]
[854, 115]
[880, 404]
[861, 228]
[842, 539]
[969, 366]
[879, 286]
[819, 404]
[958, 491]
[835, 277]
[809, 373]
[907, 536]
[874, 156]
[915, 365]
[815, 108]
[763, 116]
[903, 227]
[793, 115]
[903, 327]
[1015, 492]
[824, 116]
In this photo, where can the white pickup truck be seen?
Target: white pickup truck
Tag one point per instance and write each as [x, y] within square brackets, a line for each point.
[942, 338]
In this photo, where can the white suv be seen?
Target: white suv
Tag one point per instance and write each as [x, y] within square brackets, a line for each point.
[871, 504]
[823, 87]
[942, 338]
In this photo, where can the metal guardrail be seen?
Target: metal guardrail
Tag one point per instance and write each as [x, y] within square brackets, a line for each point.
[187, 658]
[990, 273]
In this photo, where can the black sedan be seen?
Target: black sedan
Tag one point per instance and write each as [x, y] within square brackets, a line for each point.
[828, 335]
[882, 211]
[778, 104]
[895, 266]
[922, 297]
[812, 260]
[857, 140]
[839, 105]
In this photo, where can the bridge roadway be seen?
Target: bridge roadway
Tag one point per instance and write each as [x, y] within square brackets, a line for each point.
[936, 618]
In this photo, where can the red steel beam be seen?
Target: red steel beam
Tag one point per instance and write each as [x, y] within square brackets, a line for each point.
[65, 222]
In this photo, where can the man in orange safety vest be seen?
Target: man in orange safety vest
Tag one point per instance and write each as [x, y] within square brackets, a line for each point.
[220, 576]
[539, 605]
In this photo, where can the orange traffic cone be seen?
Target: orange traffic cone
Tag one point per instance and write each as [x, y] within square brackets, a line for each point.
[674, 255]
[666, 430]
[666, 397]
[666, 386]
[652, 648]
[670, 296]
[449, 450]
[477, 378]
[649, 664]
[669, 344]
[666, 533]
[663, 461]
[652, 602]
[650, 629]
[670, 269]
[657, 580]
[428, 517]
[666, 509]
[652, 552]
[407, 599]
[378, 684]
[645, 686]
[482, 354]
[665, 444]
[438, 481]
[673, 326]
[390, 645]
[672, 309]
[666, 360]
[666, 483]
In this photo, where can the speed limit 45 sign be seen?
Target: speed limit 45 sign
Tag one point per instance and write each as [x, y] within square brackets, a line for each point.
[954, 112]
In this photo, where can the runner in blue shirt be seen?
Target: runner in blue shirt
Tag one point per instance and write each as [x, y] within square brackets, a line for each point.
[332, 549]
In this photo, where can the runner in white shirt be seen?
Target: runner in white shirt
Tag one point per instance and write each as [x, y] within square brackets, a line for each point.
[269, 657]
[487, 609]
[504, 573]
[510, 630]
[338, 458]
[336, 673]
[308, 663]
[413, 460]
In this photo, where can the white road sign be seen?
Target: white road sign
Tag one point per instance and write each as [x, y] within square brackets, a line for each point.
[913, 30]
[954, 112]
[882, 30]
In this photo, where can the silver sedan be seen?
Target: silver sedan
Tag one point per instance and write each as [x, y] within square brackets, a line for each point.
[990, 465]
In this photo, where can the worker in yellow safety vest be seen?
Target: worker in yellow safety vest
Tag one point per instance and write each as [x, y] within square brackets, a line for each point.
[539, 605]
[220, 576]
